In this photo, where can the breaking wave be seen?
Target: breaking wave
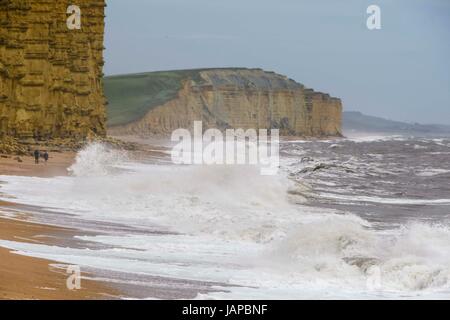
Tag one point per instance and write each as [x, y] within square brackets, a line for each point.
[97, 159]
[236, 209]
[411, 259]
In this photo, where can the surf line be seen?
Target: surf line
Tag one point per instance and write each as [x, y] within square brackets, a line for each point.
[236, 147]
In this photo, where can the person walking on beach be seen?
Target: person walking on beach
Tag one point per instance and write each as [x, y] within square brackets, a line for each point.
[37, 154]
[45, 156]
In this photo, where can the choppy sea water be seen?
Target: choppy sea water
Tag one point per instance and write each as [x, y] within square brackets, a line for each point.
[387, 180]
[350, 218]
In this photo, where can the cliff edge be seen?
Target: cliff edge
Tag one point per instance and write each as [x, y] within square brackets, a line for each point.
[160, 102]
[50, 76]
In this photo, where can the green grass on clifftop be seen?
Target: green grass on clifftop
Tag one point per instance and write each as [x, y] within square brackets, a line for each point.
[132, 96]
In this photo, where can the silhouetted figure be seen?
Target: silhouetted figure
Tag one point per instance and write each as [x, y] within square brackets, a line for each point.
[37, 154]
[45, 156]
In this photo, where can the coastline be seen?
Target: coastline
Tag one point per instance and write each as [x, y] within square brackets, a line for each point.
[56, 166]
[29, 278]
[19, 225]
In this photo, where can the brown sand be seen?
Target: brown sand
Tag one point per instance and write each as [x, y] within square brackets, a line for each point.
[24, 277]
[56, 166]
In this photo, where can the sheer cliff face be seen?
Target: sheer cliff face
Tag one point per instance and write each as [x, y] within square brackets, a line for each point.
[50, 76]
[247, 99]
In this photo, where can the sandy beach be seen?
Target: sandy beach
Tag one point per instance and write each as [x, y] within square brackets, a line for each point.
[56, 166]
[23, 277]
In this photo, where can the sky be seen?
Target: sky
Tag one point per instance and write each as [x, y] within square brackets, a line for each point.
[400, 72]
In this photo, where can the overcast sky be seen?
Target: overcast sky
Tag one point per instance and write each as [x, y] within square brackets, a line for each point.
[400, 72]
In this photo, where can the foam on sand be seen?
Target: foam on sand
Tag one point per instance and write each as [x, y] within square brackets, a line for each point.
[232, 226]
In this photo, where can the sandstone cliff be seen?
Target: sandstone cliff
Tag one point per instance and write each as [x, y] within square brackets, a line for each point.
[50, 76]
[221, 98]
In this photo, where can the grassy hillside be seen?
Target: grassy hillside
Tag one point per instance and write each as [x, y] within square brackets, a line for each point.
[131, 96]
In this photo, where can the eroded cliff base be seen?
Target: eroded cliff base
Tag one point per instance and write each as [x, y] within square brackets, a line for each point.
[11, 147]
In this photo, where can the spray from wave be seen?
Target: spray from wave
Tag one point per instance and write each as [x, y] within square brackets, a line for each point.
[97, 159]
[239, 208]
[412, 259]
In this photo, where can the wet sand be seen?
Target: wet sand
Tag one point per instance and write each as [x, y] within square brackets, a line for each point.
[23, 277]
[56, 166]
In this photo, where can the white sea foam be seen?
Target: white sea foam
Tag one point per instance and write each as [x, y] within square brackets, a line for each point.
[234, 226]
[385, 200]
[430, 172]
[366, 137]
[97, 159]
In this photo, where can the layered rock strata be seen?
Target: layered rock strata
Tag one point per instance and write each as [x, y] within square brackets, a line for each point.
[51, 76]
[243, 98]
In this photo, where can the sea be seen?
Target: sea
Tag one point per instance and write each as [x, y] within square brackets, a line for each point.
[362, 217]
